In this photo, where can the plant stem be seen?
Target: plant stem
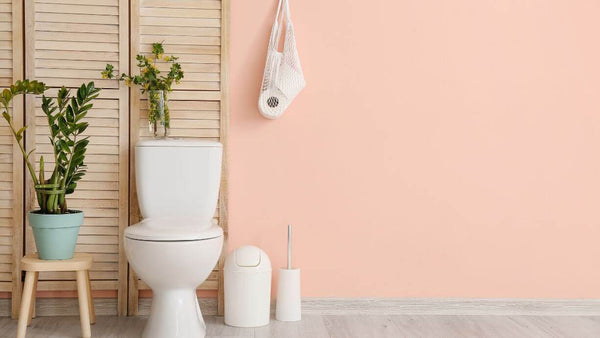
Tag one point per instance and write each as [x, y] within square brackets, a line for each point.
[25, 156]
[64, 180]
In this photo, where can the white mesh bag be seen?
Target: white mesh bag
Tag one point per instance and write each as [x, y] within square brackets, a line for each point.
[283, 78]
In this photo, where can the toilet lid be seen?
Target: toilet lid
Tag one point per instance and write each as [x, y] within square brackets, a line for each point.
[172, 230]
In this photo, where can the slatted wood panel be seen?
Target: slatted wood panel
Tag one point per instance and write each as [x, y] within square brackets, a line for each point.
[6, 152]
[68, 43]
[193, 30]
[11, 165]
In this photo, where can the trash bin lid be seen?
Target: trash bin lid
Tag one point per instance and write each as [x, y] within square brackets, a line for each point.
[248, 258]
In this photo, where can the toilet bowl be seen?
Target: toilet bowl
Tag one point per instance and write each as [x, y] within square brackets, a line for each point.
[177, 244]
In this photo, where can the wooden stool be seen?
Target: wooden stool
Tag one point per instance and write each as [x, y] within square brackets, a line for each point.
[80, 263]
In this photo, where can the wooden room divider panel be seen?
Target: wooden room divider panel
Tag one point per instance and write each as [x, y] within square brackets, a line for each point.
[11, 164]
[69, 42]
[196, 32]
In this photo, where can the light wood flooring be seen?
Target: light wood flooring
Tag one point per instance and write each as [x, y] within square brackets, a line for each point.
[316, 326]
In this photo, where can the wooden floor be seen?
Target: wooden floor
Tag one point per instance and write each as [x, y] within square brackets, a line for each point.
[315, 326]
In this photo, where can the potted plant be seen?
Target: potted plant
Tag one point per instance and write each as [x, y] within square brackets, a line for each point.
[55, 227]
[156, 85]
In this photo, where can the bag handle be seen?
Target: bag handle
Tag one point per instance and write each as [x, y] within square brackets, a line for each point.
[282, 8]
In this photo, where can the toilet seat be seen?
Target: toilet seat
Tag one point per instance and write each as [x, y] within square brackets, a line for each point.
[172, 230]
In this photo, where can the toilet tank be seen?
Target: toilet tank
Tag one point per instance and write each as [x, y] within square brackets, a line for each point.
[178, 178]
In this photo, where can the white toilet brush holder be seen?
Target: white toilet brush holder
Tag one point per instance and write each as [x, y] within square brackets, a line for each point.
[289, 307]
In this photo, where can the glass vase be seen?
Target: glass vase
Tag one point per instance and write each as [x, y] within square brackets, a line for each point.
[158, 113]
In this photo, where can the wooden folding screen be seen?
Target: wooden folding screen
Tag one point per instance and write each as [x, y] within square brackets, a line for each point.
[11, 166]
[68, 42]
[196, 32]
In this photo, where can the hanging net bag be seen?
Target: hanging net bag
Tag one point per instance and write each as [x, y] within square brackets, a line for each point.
[283, 79]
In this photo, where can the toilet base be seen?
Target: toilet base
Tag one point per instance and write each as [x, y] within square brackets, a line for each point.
[176, 314]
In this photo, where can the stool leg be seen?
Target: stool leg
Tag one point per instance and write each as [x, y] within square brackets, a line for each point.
[25, 304]
[84, 309]
[33, 297]
[90, 299]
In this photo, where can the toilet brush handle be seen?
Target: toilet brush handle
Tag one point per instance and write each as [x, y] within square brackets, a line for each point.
[289, 253]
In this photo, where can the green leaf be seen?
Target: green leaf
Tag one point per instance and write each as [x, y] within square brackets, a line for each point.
[81, 93]
[85, 108]
[70, 115]
[81, 145]
[71, 188]
[62, 97]
[81, 127]
[77, 160]
[74, 105]
[62, 157]
[62, 124]
[29, 153]
[80, 116]
[78, 176]
[7, 95]
[55, 130]
[61, 145]
[157, 48]
[19, 134]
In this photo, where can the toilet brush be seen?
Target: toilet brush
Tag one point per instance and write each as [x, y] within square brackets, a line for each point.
[288, 306]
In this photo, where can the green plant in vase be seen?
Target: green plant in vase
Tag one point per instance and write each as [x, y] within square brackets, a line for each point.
[157, 85]
[55, 227]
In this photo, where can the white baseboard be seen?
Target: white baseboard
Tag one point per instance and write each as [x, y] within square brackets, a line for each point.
[64, 307]
[103, 306]
[451, 306]
[360, 306]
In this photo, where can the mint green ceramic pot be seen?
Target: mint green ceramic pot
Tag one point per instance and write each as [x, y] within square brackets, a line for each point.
[55, 234]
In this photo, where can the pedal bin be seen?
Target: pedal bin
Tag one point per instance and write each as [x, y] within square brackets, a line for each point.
[247, 278]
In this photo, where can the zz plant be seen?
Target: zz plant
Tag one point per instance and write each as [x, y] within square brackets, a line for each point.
[65, 115]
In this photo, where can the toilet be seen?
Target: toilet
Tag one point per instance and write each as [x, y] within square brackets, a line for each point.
[177, 244]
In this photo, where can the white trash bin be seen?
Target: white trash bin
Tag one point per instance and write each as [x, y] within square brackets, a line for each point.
[247, 280]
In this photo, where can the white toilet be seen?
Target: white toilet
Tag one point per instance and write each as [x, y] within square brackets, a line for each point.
[177, 245]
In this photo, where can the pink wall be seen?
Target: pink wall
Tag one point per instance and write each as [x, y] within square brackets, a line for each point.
[440, 149]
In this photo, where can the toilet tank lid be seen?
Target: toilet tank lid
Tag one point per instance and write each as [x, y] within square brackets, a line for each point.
[178, 142]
